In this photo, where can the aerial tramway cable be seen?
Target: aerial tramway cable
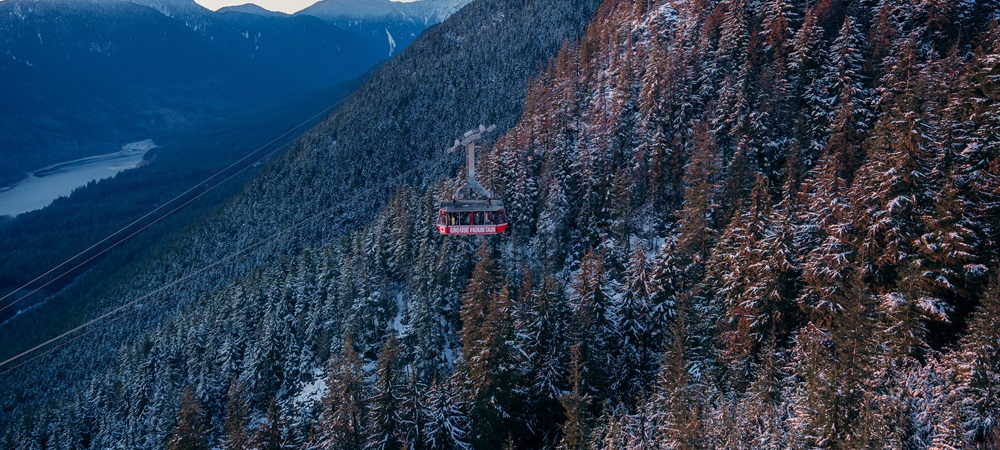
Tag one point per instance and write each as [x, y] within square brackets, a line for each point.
[163, 206]
[116, 311]
[281, 234]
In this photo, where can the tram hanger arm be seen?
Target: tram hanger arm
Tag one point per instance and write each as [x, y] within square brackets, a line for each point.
[471, 137]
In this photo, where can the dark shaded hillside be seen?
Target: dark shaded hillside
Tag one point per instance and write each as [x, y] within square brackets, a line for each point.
[83, 78]
[472, 68]
[31, 242]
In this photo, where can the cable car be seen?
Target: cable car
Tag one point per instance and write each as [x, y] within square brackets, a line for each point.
[467, 216]
[472, 217]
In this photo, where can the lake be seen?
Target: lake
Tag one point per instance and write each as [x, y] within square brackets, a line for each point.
[45, 185]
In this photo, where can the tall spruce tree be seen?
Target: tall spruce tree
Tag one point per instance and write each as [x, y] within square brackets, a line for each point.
[447, 424]
[270, 434]
[734, 273]
[978, 370]
[237, 422]
[594, 324]
[386, 427]
[191, 430]
[576, 404]
[637, 353]
[342, 422]
[542, 326]
[488, 367]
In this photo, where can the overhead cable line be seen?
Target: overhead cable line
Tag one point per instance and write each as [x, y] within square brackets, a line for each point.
[281, 234]
[163, 206]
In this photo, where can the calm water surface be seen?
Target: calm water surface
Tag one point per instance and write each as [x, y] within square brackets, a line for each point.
[43, 186]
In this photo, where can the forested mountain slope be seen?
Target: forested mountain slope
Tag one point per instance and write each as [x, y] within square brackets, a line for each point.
[472, 68]
[736, 224]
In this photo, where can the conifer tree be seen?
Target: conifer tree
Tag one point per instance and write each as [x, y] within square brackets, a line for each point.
[978, 368]
[237, 422]
[191, 430]
[413, 411]
[695, 220]
[849, 118]
[447, 423]
[808, 56]
[488, 364]
[760, 415]
[828, 241]
[594, 323]
[267, 359]
[667, 281]
[270, 434]
[542, 325]
[633, 310]
[833, 403]
[424, 335]
[342, 422]
[576, 404]
[979, 160]
[386, 430]
[891, 191]
[552, 221]
[946, 267]
[736, 260]
[677, 401]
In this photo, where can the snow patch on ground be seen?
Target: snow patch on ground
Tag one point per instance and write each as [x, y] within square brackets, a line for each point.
[312, 392]
[392, 42]
[450, 354]
[397, 322]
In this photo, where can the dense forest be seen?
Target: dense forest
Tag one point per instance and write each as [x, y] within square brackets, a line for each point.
[735, 224]
[472, 68]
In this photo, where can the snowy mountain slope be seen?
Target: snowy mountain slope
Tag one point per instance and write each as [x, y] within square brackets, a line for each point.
[472, 68]
[428, 11]
[728, 232]
[383, 23]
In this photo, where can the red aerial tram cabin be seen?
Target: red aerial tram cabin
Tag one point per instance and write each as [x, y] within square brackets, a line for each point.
[472, 217]
[466, 216]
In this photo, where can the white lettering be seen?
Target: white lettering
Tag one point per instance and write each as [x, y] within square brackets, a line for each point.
[473, 229]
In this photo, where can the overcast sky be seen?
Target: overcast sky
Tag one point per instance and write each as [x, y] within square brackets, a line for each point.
[288, 6]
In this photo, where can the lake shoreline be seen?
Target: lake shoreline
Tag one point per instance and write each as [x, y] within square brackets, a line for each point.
[43, 186]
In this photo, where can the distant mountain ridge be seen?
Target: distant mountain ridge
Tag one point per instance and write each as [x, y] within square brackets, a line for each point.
[385, 24]
[84, 75]
[251, 8]
[429, 10]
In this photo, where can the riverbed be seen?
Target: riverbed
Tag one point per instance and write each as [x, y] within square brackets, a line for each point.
[45, 185]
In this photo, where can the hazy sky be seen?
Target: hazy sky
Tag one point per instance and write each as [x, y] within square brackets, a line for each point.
[288, 6]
